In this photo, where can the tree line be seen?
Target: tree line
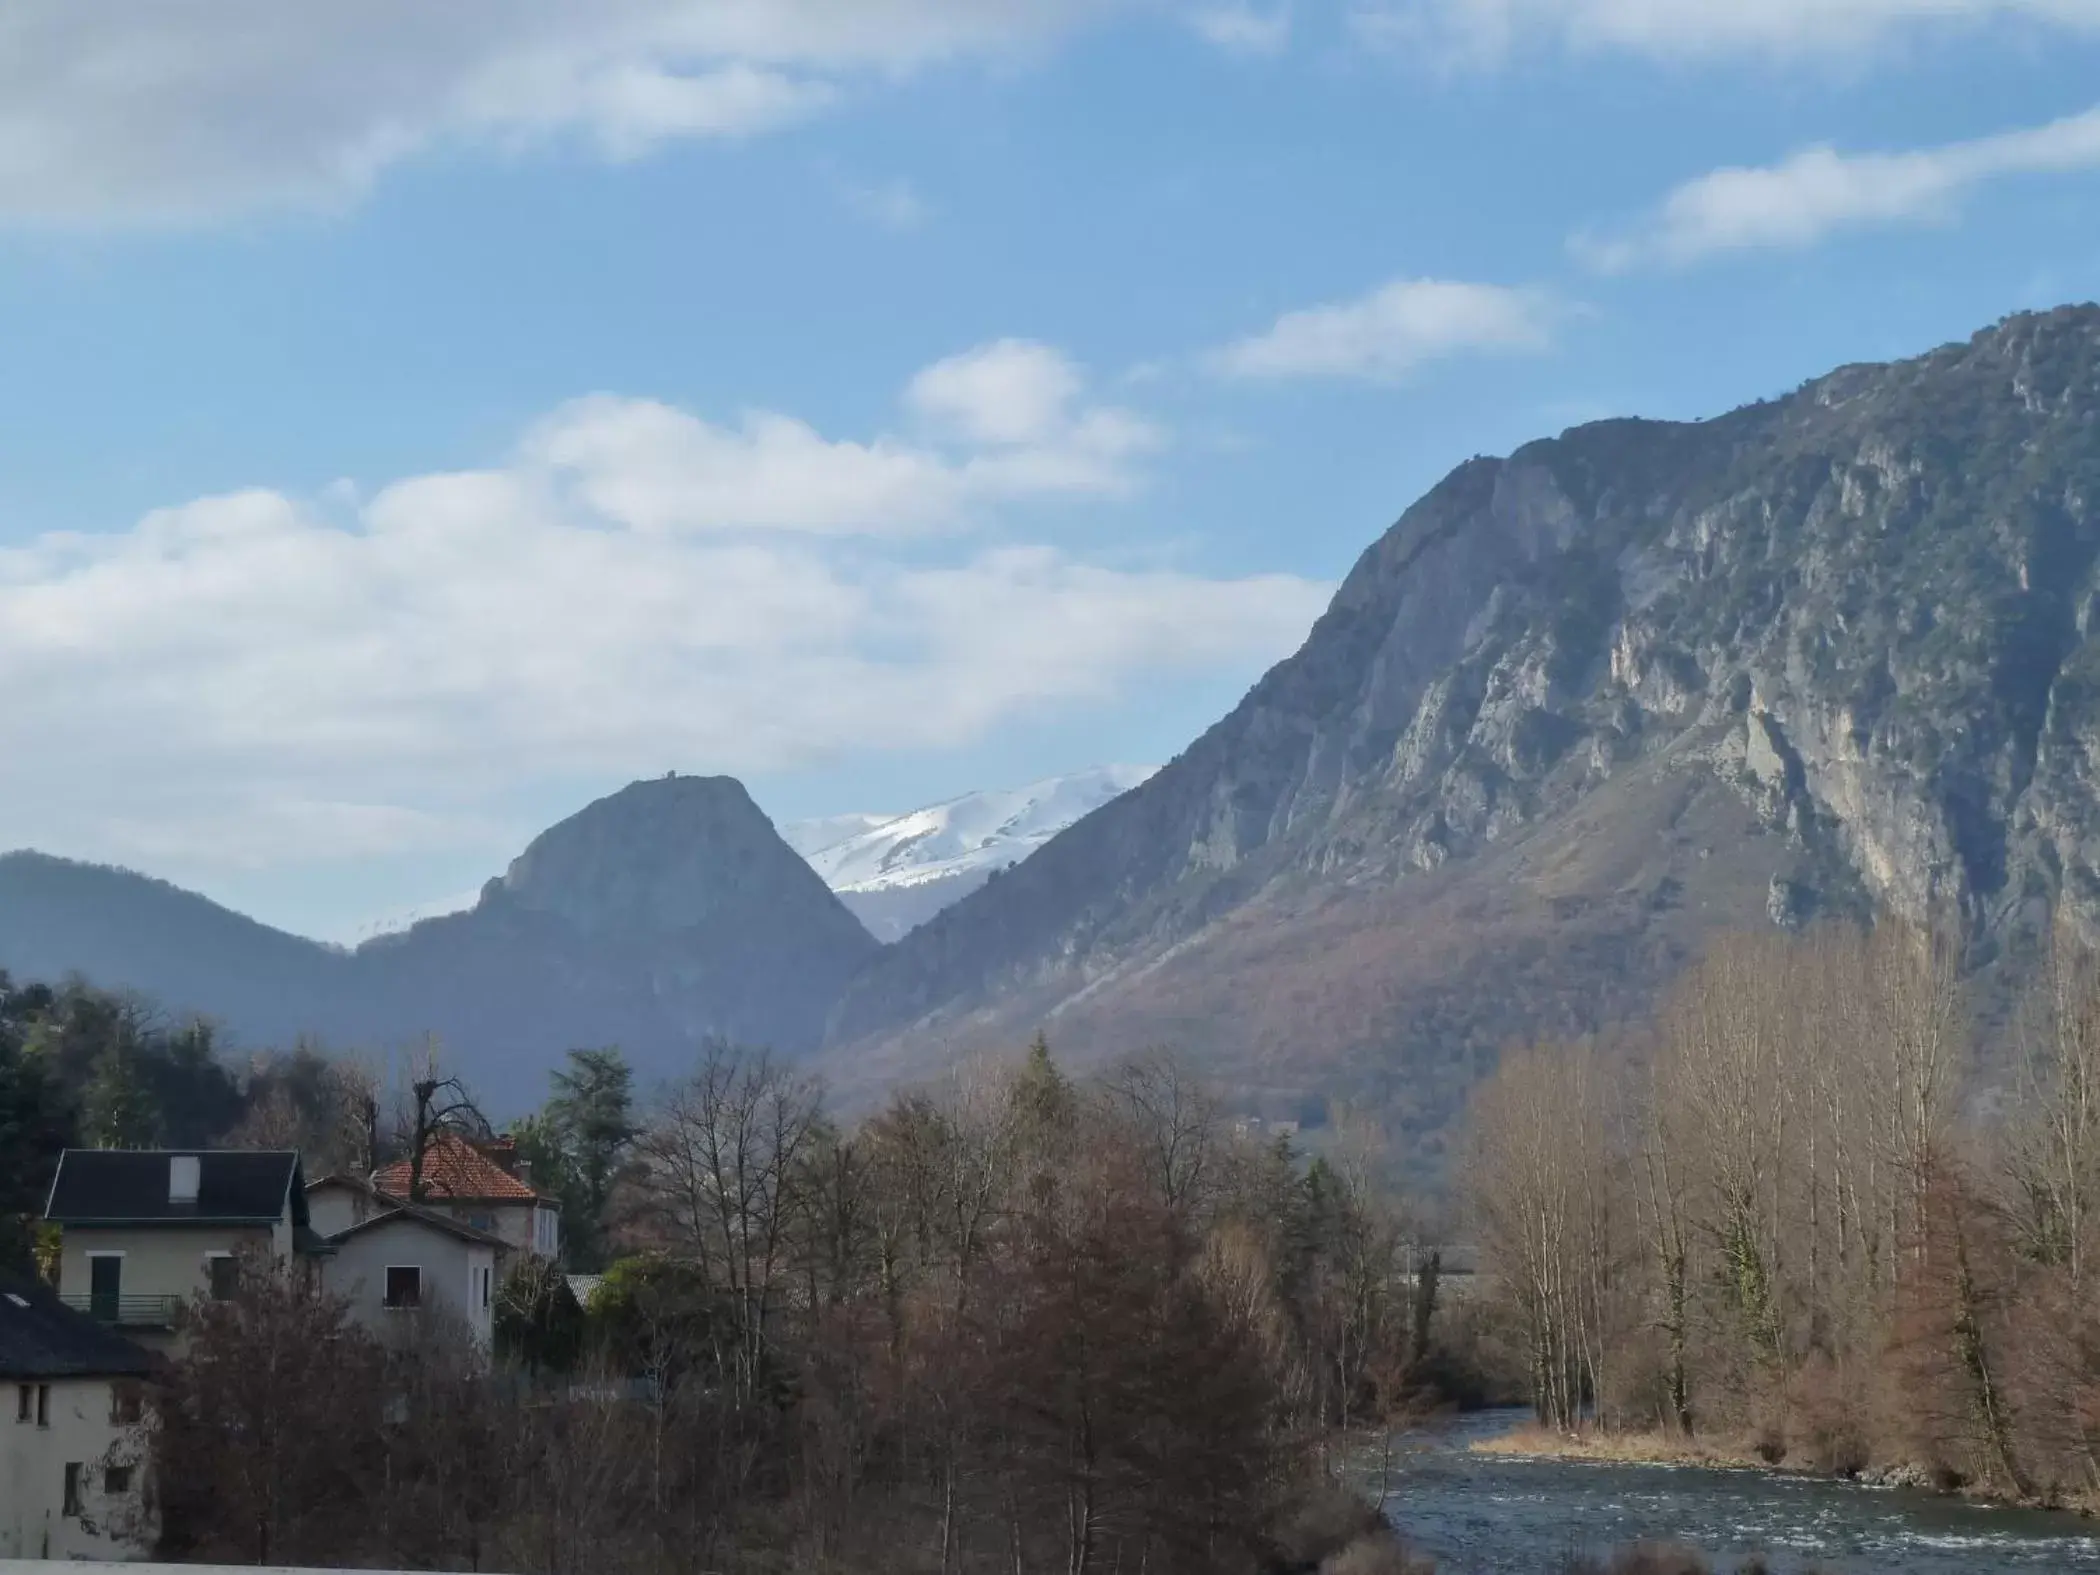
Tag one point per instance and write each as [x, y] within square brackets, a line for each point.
[1018, 1322]
[1778, 1214]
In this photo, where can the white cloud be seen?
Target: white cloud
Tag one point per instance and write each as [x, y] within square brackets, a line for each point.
[258, 680]
[1480, 31]
[656, 469]
[184, 109]
[1014, 391]
[1395, 329]
[1243, 28]
[894, 205]
[1820, 192]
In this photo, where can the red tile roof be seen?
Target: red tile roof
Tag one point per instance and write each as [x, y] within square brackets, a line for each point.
[454, 1168]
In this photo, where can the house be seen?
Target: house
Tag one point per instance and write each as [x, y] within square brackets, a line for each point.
[72, 1469]
[340, 1200]
[473, 1185]
[145, 1231]
[401, 1262]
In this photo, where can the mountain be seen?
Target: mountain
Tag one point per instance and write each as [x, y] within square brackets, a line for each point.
[187, 953]
[897, 871]
[408, 918]
[672, 908]
[655, 917]
[1577, 710]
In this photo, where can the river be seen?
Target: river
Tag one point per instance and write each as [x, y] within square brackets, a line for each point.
[1488, 1515]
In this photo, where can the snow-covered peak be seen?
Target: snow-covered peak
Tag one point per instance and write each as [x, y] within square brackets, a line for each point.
[972, 835]
[810, 837]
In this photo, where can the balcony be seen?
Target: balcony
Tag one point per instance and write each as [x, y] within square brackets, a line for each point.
[129, 1312]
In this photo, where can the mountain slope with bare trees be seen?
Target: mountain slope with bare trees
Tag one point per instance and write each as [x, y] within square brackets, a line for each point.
[1577, 711]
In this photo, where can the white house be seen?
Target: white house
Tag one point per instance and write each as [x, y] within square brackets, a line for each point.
[72, 1467]
[143, 1232]
[402, 1263]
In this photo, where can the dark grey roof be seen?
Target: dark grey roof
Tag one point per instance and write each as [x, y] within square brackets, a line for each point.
[411, 1214]
[98, 1186]
[41, 1337]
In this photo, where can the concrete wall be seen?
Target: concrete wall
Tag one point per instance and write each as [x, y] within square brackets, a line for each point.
[337, 1208]
[523, 1227]
[33, 1522]
[451, 1269]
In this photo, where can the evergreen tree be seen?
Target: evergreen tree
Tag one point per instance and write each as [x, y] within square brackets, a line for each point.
[539, 1323]
[576, 1149]
[37, 1121]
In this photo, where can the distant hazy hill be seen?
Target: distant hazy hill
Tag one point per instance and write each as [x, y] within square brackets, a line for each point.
[1576, 710]
[667, 912]
[185, 951]
[898, 871]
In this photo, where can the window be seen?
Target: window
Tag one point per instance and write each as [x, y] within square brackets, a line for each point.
[43, 1405]
[25, 1402]
[225, 1276]
[105, 1285]
[126, 1403]
[404, 1287]
[482, 1278]
[72, 1488]
[482, 1220]
[116, 1480]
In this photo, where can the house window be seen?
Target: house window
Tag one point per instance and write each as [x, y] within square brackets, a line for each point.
[126, 1404]
[482, 1278]
[404, 1287]
[105, 1285]
[72, 1508]
[116, 1480]
[225, 1276]
[25, 1402]
[43, 1405]
[482, 1220]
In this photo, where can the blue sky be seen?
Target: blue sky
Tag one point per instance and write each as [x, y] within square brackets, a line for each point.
[413, 428]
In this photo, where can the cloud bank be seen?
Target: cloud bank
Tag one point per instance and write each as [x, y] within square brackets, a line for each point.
[1819, 192]
[255, 678]
[1390, 332]
[1481, 32]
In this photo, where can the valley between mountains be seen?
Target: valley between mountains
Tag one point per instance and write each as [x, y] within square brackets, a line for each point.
[1581, 709]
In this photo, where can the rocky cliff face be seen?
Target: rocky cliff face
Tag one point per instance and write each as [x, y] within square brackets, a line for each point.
[682, 894]
[1578, 708]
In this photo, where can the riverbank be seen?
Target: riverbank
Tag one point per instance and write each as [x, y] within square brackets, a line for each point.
[1533, 1442]
[1498, 1511]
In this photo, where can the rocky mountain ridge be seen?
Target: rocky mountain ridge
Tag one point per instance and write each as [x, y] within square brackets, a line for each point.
[1576, 712]
[1835, 644]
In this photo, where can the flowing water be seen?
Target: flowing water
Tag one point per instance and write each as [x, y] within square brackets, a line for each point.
[1490, 1515]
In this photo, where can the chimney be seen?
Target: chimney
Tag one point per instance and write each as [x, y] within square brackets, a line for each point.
[502, 1152]
[184, 1174]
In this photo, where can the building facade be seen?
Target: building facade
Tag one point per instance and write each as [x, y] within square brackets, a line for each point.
[72, 1437]
[144, 1232]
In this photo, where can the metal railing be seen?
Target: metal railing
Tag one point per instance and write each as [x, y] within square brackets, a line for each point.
[129, 1312]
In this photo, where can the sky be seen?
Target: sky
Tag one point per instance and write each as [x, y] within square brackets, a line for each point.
[416, 421]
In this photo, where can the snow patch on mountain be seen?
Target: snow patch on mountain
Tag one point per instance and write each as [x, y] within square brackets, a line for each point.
[895, 872]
